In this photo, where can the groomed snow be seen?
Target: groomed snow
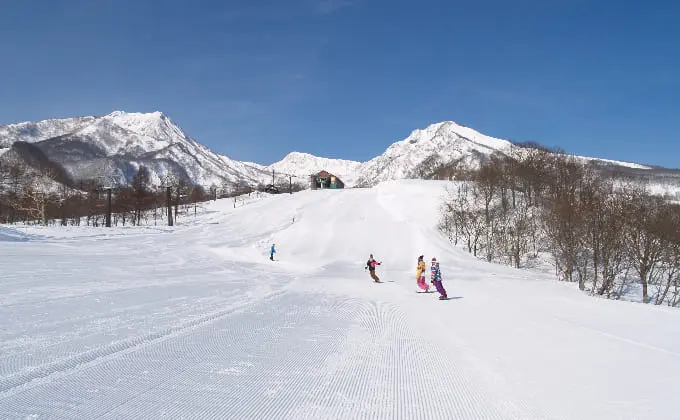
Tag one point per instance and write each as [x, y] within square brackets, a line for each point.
[194, 321]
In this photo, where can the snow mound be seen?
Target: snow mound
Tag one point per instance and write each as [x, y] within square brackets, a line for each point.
[12, 235]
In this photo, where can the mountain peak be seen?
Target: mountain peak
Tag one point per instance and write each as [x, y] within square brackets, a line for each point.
[445, 132]
[298, 157]
[152, 124]
[119, 113]
[140, 118]
[302, 157]
[295, 155]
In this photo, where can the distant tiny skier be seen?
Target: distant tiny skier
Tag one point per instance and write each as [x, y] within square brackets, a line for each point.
[420, 275]
[370, 264]
[436, 278]
[272, 251]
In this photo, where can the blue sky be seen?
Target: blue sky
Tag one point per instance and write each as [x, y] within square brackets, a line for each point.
[346, 78]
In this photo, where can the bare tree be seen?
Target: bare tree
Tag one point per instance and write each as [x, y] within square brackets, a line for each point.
[140, 194]
[597, 229]
[668, 280]
[643, 243]
[36, 193]
[488, 182]
[518, 231]
[197, 195]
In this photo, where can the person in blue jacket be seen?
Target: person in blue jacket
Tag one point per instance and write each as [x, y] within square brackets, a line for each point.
[436, 278]
[272, 251]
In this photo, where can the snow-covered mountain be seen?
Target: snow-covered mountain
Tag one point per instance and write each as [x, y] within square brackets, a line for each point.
[443, 144]
[302, 165]
[116, 145]
[415, 156]
[33, 132]
[440, 143]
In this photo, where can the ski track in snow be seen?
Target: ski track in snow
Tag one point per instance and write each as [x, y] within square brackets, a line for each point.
[194, 321]
[286, 358]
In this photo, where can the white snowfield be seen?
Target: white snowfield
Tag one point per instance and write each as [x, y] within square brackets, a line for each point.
[194, 321]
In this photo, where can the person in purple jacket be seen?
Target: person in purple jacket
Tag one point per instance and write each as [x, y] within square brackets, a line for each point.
[436, 278]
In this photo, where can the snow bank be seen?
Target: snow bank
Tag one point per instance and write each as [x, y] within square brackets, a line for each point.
[12, 235]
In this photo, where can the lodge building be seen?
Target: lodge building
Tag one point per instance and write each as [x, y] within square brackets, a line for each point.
[324, 180]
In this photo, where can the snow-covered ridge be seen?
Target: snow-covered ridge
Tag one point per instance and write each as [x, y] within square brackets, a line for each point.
[129, 140]
[33, 132]
[440, 143]
[304, 164]
[117, 144]
[444, 142]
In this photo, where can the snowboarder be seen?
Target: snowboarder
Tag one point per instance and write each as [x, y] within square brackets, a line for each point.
[272, 251]
[420, 275]
[436, 278]
[370, 264]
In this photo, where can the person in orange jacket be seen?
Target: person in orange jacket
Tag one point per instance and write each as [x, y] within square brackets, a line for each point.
[420, 275]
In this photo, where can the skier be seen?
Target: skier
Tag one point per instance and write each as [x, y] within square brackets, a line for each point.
[437, 279]
[420, 275]
[272, 251]
[370, 264]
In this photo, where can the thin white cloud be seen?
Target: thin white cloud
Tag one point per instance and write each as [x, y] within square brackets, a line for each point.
[327, 7]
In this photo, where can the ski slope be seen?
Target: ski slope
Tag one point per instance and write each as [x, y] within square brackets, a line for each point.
[194, 321]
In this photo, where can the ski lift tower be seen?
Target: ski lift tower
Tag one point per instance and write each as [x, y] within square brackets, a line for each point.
[167, 182]
[107, 183]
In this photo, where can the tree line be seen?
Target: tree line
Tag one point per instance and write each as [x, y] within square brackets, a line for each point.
[610, 235]
[35, 197]
[40, 196]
